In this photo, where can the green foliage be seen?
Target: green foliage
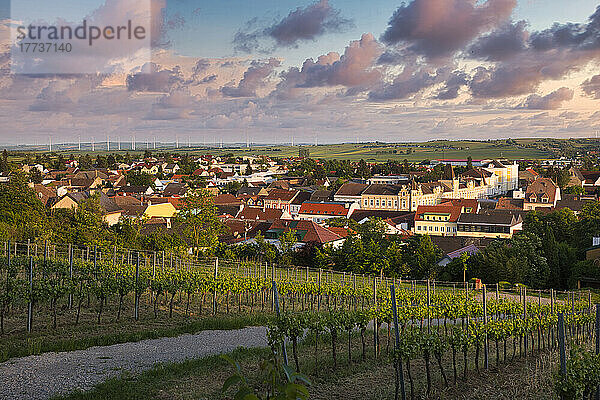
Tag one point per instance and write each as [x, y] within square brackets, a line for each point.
[279, 382]
[22, 214]
[583, 375]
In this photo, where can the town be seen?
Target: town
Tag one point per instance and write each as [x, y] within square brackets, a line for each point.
[455, 208]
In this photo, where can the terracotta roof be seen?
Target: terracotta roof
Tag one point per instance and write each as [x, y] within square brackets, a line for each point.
[454, 212]
[281, 194]
[43, 193]
[329, 209]
[226, 199]
[307, 231]
[471, 204]
[351, 189]
[343, 232]
[505, 203]
[269, 214]
[541, 187]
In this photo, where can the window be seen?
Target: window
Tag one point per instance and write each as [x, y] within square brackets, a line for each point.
[436, 228]
[377, 202]
[430, 227]
[418, 227]
[371, 202]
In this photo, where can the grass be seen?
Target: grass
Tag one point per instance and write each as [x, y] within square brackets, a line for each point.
[68, 336]
[523, 378]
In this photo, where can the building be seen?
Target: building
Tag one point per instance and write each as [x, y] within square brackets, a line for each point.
[350, 192]
[320, 212]
[542, 193]
[507, 175]
[280, 199]
[490, 223]
[388, 179]
[385, 197]
[437, 220]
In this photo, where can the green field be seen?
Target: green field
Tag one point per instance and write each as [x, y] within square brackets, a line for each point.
[380, 152]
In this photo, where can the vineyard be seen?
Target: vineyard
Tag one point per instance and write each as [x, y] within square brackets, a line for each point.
[444, 325]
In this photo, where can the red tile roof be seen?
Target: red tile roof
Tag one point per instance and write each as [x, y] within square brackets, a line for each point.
[269, 214]
[307, 230]
[331, 209]
[471, 204]
[454, 212]
[281, 194]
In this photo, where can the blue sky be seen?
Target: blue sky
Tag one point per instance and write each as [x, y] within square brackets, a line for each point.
[211, 25]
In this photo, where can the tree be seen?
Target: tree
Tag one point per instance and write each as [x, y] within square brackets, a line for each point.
[140, 179]
[35, 176]
[200, 223]
[469, 162]
[4, 167]
[574, 190]
[249, 170]
[422, 255]
[287, 243]
[22, 214]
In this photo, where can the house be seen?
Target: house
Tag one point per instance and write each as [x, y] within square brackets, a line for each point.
[541, 193]
[385, 197]
[144, 190]
[490, 223]
[175, 189]
[388, 179]
[437, 220]
[575, 177]
[468, 249]
[150, 169]
[159, 210]
[506, 203]
[527, 177]
[306, 232]
[170, 168]
[350, 192]
[573, 202]
[47, 195]
[110, 210]
[296, 204]
[280, 199]
[592, 178]
[268, 214]
[319, 212]
[507, 175]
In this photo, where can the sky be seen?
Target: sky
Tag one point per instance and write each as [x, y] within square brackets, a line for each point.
[325, 70]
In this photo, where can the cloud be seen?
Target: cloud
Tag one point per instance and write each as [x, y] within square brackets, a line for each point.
[591, 86]
[453, 84]
[254, 78]
[439, 28]
[551, 101]
[570, 35]
[153, 78]
[522, 65]
[302, 24]
[406, 84]
[355, 68]
[502, 43]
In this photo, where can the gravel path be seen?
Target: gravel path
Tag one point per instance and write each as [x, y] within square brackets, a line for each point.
[40, 377]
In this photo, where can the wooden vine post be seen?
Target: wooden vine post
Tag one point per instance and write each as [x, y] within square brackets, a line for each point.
[485, 337]
[276, 302]
[561, 345]
[597, 342]
[375, 325]
[397, 343]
